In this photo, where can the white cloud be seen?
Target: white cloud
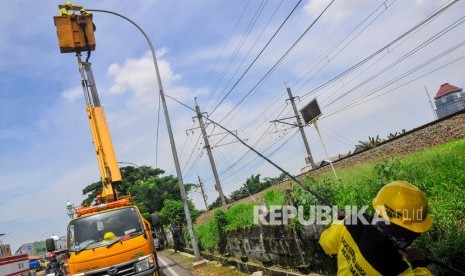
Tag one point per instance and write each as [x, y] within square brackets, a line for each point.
[72, 94]
[338, 11]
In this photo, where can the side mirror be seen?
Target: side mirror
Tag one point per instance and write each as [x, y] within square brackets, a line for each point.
[156, 222]
[50, 244]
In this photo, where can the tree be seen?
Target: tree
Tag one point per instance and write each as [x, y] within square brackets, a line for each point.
[393, 135]
[217, 203]
[147, 186]
[173, 212]
[130, 175]
[253, 185]
[372, 142]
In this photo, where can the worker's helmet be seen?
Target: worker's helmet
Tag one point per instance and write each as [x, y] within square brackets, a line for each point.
[109, 236]
[405, 205]
[69, 4]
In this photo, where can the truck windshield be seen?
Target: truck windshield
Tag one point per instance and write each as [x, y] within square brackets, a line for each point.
[103, 229]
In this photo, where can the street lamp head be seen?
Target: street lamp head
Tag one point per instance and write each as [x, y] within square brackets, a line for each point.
[69, 209]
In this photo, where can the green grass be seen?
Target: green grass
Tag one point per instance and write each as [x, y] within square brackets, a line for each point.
[274, 197]
[439, 172]
[207, 236]
[240, 215]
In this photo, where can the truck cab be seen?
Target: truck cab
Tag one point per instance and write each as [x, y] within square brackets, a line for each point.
[115, 241]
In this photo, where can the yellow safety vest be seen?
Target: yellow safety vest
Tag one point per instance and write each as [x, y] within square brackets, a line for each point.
[362, 250]
[64, 11]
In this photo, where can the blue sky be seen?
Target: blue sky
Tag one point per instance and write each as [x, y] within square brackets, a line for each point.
[203, 47]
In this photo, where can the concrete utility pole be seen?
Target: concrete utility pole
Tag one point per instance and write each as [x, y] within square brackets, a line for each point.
[203, 193]
[431, 104]
[209, 152]
[190, 226]
[309, 158]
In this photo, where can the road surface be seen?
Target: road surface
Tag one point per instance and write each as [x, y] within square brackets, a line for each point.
[171, 267]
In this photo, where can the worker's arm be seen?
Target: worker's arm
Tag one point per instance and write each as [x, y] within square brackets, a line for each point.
[417, 263]
[419, 271]
[330, 239]
[64, 11]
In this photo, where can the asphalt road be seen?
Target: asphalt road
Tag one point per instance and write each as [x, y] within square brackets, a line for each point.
[170, 266]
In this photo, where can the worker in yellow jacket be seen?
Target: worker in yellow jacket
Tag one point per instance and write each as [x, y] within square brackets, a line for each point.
[66, 8]
[378, 245]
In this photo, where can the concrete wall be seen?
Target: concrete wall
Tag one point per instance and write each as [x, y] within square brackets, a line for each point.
[282, 246]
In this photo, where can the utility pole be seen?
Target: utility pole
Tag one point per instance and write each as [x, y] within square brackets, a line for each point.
[431, 104]
[301, 128]
[309, 158]
[203, 193]
[209, 152]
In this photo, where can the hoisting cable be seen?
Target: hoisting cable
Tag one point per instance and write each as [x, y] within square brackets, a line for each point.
[293, 178]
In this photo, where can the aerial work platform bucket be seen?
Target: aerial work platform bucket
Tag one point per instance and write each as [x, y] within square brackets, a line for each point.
[71, 36]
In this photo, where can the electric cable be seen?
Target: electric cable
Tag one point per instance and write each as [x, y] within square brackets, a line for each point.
[259, 54]
[304, 187]
[410, 53]
[426, 20]
[240, 43]
[224, 48]
[393, 89]
[326, 56]
[250, 49]
[278, 62]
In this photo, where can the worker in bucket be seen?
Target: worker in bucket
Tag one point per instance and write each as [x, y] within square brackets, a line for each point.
[379, 245]
[84, 12]
[66, 8]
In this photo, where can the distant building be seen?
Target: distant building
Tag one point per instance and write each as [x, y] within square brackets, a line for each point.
[324, 162]
[38, 248]
[26, 248]
[5, 250]
[448, 100]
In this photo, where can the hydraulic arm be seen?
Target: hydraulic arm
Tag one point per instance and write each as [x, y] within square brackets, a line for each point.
[109, 170]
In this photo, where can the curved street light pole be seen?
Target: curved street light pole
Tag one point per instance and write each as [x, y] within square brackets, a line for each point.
[130, 163]
[170, 132]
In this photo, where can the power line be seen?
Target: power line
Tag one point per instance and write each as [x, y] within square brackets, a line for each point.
[382, 49]
[279, 61]
[253, 45]
[317, 196]
[410, 53]
[326, 57]
[224, 48]
[259, 54]
[192, 152]
[240, 43]
[353, 103]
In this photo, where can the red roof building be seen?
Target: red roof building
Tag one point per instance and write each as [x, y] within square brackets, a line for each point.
[449, 99]
[445, 89]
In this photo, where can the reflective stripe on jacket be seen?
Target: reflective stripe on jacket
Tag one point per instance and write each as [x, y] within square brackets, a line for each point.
[363, 250]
